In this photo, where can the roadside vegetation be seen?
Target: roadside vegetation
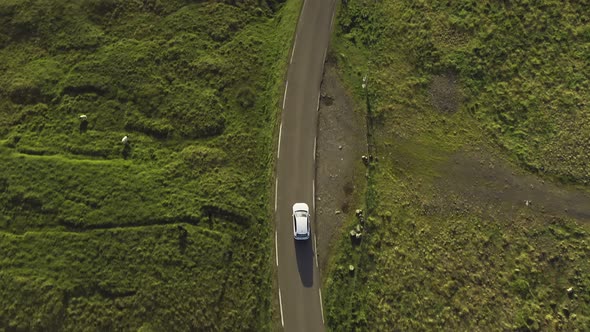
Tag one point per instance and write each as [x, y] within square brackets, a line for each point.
[168, 232]
[473, 108]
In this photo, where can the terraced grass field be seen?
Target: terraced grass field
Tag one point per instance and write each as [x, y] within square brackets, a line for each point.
[170, 231]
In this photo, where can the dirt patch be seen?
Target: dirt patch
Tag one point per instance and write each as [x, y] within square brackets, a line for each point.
[492, 187]
[341, 142]
[444, 93]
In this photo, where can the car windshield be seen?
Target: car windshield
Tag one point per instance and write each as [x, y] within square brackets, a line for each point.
[302, 214]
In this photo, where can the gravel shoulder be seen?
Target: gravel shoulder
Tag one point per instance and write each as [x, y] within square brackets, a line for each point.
[341, 142]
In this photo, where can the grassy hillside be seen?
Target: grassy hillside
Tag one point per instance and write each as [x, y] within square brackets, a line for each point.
[478, 114]
[170, 231]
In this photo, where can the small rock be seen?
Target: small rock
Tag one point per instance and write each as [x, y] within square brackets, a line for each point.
[339, 147]
[337, 212]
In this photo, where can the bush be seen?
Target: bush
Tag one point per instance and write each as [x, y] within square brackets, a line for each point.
[246, 97]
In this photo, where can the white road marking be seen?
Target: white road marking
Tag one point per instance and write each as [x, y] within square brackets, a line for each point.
[293, 50]
[321, 304]
[277, 248]
[276, 192]
[318, 103]
[285, 95]
[281, 304]
[315, 142]
[280, 132]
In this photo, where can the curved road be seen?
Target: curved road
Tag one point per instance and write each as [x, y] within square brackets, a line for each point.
[299, 281]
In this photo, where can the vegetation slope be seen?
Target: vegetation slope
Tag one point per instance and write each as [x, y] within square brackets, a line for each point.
[170, 231]
[492, 82]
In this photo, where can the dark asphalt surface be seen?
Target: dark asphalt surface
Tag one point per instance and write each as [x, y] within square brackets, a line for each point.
[299, 280]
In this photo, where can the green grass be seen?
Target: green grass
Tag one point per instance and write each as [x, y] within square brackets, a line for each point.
[168, 276]
[434, 259]
[168, 233]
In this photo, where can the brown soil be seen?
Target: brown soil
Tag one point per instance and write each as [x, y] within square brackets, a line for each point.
[444, 93]
[492, 187]
[341, 142]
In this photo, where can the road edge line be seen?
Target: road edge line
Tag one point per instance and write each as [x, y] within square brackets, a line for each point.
[280, 134]
[321, 305]
[293, 50]
[276, 192]
[318, 103]
[285, 94]
[281, 305]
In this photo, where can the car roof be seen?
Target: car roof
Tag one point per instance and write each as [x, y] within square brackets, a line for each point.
[301, 225]
[300, 221]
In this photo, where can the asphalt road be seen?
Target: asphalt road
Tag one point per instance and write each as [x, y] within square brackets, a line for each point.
[299, 280]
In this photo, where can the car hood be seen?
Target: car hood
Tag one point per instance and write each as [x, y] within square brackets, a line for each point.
[300, 207]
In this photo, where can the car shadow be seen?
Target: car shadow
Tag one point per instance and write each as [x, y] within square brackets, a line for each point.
[304, 254]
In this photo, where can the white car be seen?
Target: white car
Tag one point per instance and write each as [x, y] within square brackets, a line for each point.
[301, 221]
